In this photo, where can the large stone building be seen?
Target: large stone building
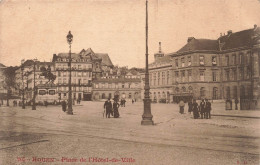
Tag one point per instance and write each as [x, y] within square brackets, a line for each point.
[160, 72]
[86, 66]
[225, 68]
[118, 85]
[28, 80]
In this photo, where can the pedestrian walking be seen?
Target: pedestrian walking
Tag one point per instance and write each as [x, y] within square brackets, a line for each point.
[195, 109]
[133, 101]
[108, 108]
[121, 102]
[124, 101]
[46, 103]
[236, 102]
[63, 105]
[202, 108]
[208, 109]
[190, 106]
[181, 105]
[115, 108]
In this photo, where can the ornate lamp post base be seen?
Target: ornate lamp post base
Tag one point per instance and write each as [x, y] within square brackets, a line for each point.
[70, 111]
[147, 116]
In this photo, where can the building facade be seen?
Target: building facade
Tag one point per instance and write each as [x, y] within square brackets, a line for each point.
[86, 67]
[225, 68]
[120, 87]
[160, 78]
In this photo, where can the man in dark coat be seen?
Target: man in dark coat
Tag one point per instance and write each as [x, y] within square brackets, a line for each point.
[202, 109]
[190, 106]
[108, 108]
[63, 105]
[236, 102]
[208, 109]
[195, 109]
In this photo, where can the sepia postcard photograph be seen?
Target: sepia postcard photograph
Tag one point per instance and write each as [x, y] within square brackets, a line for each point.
[140, 82]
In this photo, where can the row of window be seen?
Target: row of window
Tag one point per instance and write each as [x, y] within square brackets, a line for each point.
[180, 76]
[244, 73]
[116, 85]
[159, 95]
[160, 78]
[74, 66]
[73, 81]
[188, 62]
[74, 74]
[243, 59]
[73, 88]
[104, 96]
[45, 92]
[229, 75]
[73, 60]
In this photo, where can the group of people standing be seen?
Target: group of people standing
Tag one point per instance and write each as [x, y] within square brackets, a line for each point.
[201, 110]
[111, 109]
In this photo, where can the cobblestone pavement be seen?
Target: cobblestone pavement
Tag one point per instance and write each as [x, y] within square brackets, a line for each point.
[48, 134]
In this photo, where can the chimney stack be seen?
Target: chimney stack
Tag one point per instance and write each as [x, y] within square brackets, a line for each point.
[229, 32]
[190, 39]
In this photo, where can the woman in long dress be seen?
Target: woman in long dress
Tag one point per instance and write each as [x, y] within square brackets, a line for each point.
[115, 108]
[190, 106]
[195, 109]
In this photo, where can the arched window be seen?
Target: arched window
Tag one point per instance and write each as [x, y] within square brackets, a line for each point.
[163, 95]
[249, 91]
[242, 91]
[215, 93]
[235, 91]
[177, 90]
[228, 92]
[202, 92]
[103, 96]
[183, 89]
[154, 96]
[130, 95]
[190, 89]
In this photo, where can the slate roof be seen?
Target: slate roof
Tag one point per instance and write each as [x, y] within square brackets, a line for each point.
[105, 59]
[199, 44]
[239, 39]
[2, 65]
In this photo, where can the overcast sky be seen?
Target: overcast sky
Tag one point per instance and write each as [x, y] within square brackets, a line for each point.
[38, 28]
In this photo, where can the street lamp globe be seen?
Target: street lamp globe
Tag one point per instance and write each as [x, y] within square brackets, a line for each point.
[69, 38]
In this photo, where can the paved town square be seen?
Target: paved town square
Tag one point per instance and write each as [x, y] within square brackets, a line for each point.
[49, 135]
[143, 82]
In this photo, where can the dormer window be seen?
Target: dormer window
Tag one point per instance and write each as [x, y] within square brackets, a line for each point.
[201, 60]
[214, 60]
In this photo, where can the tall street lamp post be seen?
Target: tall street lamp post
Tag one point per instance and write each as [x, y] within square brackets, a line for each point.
[69, 40]
[34, 91]
[22, 68]
[147, 116]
